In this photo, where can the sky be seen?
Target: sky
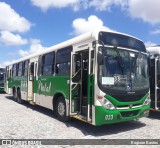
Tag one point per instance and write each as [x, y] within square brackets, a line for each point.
[28, 26]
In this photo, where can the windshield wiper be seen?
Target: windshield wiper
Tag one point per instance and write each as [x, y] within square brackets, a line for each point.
[134, 63]
[120, 61]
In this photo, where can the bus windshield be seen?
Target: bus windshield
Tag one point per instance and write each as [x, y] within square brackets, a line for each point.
[123, 70]
[1, 76]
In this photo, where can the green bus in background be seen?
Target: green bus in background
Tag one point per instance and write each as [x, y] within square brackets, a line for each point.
[100, 78]
[2, 73]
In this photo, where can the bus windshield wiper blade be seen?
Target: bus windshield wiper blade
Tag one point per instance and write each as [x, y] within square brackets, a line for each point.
[119, 57]
[134, 64]
[120, 61]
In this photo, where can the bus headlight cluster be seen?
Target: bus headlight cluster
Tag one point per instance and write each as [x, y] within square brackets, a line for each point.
[106, 103]
[147, 101]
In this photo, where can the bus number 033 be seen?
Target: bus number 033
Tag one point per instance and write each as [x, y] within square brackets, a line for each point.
[109, 117]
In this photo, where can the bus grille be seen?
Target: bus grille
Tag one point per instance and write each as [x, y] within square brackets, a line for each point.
[128, 98]
[129, 113]
[133, 105]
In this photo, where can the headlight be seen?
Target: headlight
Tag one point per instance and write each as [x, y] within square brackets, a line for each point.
[147, 101]
[106, 103]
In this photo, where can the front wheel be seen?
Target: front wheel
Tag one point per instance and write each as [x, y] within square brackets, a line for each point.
[61, 109]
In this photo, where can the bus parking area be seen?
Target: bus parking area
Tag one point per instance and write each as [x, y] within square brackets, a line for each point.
[34, 122]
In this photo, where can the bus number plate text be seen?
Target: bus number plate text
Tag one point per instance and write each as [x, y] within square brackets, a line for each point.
[109, 117]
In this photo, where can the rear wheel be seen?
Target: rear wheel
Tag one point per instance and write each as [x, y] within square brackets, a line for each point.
[61, 109]
[14, 95]
[19, 100]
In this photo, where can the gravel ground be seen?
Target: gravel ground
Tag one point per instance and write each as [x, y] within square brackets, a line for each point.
[34, 122]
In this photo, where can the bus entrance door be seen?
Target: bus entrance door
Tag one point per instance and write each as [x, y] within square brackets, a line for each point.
[75, 83]
[79, 82]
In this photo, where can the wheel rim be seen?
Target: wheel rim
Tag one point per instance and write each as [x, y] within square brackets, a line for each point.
[61, 109]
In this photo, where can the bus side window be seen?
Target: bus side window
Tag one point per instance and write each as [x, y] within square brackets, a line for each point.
[10, 73]
[14, 72]
[26, 68]
[7, 73]
[32, 69]
[40, 65]
[20, 69]
[63, 57]
[92, 60]
[47, 64]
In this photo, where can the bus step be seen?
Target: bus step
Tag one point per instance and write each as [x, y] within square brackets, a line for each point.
[84, 101]
[84, 111]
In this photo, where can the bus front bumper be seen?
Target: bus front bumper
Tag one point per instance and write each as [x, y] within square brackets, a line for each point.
[104, 116]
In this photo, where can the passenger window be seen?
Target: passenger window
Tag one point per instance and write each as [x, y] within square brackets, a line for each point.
[10, 73]
[25, 68]
[19, 69]
[14, 70]
[47, 67]
[63, 58]
[63, 68]
[7, 72]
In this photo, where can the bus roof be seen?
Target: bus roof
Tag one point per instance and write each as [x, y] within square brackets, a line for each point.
[70, 42]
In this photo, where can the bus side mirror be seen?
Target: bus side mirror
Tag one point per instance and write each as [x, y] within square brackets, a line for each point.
[100, 58]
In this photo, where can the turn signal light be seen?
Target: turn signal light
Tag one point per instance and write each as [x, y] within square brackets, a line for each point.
[100, 97]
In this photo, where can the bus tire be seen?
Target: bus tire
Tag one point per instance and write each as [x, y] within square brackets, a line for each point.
[19, 100]
[14, 95]
[61, 109]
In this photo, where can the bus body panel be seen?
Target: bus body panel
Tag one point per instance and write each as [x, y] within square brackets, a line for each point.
[47, 87]
[24, 88]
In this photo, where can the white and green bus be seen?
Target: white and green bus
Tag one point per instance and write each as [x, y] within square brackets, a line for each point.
[100, 77]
